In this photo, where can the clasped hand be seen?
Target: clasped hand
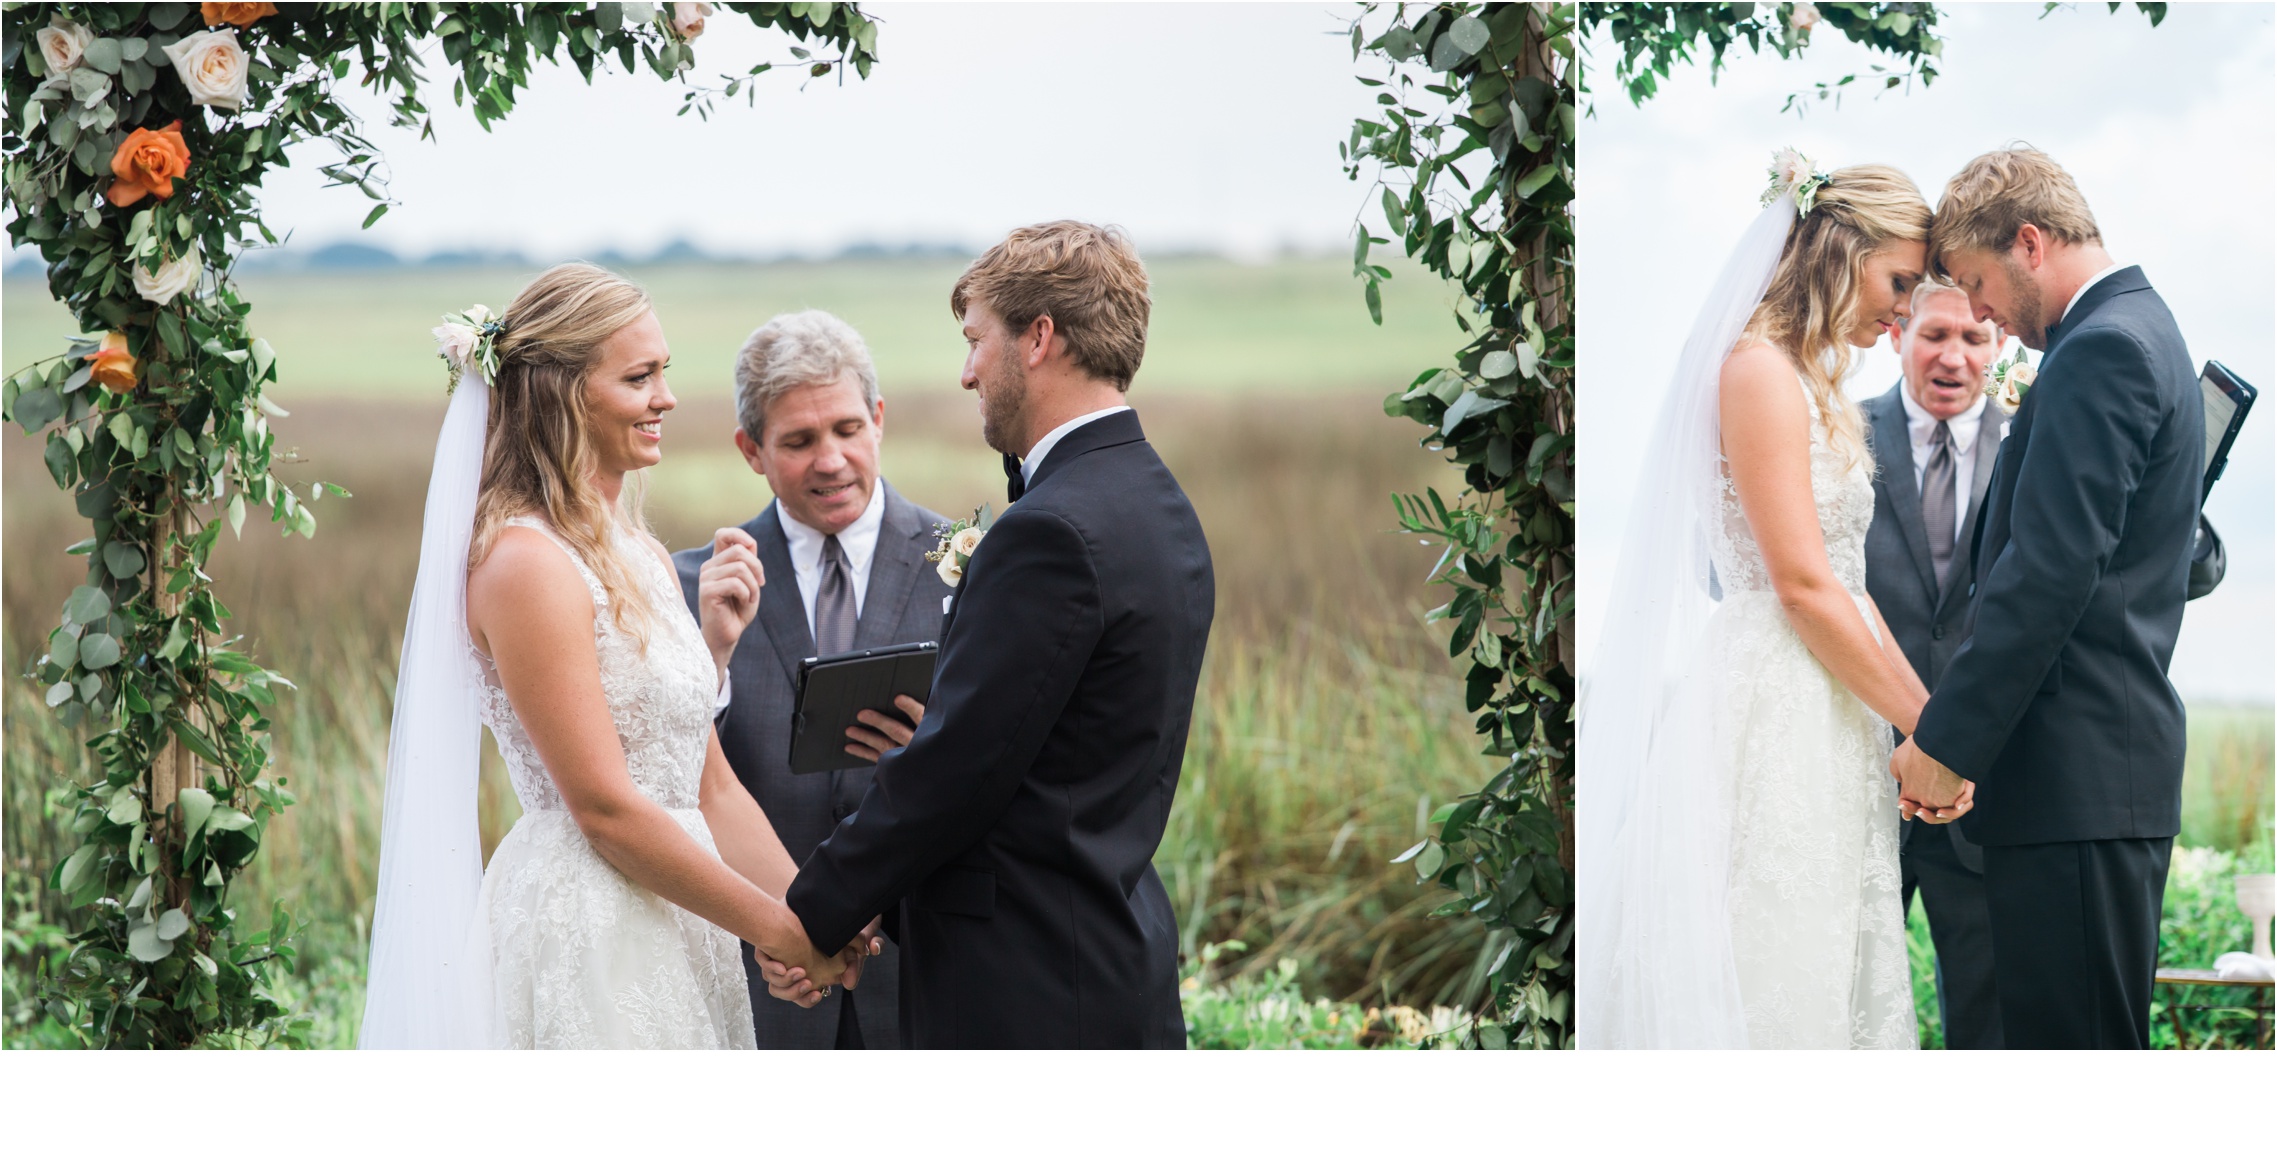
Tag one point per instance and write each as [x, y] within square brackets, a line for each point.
[806, 984]
[1927, 790]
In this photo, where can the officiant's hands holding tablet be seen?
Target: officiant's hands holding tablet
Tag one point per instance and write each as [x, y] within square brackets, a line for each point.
[884, 732]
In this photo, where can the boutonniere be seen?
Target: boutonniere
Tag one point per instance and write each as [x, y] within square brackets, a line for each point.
[958, 540]
[2007, 381]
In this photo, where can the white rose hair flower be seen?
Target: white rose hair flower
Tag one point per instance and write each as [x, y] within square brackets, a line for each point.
[63, 46]
[212, 67]
[469, 341]
[173, 278]
[1793, 173]
[688, 19]
[455, 341]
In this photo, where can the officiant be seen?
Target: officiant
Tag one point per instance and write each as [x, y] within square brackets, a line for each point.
[843, 559]
[1934, 437]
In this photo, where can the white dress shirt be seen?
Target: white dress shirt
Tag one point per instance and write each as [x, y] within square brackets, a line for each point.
[2091, 281]
[1053, 437]
[859, 540]
[1920, 426]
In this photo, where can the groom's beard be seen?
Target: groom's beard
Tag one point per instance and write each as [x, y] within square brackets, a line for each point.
[1000, 407]
[2029, 324]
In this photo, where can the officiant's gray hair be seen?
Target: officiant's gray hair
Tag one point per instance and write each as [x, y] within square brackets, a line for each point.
[798, 350]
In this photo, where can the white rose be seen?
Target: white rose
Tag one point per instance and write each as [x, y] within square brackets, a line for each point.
[63, 45]
[688, 19]
[1792, 168]
[1804, 18]
[455, 342]
[172, 279]
[2021, 374]
[964, 542]
[948, 570]
[212, 67]
[479, 314]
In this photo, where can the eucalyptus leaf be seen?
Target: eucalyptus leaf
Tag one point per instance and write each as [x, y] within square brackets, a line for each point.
[124, 808]
[75, 867]
[1469, 34]
[1497, 364]
[143, 944]
[98, 650]
[196, 804]
[123, 559]
[103, 54]
[172, 923]
[85, 605]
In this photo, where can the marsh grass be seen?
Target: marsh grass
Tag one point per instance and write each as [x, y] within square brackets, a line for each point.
[1327, 724]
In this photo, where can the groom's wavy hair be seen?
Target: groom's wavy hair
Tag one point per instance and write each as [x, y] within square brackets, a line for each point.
[538, 457]
[1814, 297]
[1994, 195]
[1086, 277]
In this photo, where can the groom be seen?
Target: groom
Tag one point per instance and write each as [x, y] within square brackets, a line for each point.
[1009, 844]
[2058, 710]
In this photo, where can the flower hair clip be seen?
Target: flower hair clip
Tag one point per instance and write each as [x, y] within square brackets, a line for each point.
[1793, 173]
[469, 340]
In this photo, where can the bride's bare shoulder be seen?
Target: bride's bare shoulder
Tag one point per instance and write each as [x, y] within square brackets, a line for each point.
[526, 579]
[1759, 378]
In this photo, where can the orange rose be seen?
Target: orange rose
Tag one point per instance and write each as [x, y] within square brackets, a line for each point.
[242, 15]
[147, 163]
[114, 365]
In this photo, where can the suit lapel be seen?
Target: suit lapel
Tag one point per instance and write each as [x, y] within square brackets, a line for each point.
[1893, 452]
[1983, 458]
[902, 540]
[782, 612]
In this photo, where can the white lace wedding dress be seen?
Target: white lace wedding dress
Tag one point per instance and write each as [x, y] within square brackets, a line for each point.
[583, 957]
[1817, 933]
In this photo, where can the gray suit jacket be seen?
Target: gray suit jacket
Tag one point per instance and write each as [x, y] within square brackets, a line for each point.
[902, 604]
[1929, 624]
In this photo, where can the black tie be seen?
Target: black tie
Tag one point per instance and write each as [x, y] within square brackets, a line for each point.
[1937, 503]
[834, 602]
[1015, 485]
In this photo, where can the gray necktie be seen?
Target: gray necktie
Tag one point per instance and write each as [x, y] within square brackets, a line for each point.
[834, 603]
[1937, 506]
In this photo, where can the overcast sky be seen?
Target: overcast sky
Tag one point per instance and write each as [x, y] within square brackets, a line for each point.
[2168, 132]
[1210, 126]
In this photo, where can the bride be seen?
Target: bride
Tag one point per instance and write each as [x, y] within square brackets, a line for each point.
[609, 914]
[1738, 824]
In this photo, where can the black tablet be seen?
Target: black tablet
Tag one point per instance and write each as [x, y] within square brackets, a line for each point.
[834, 689]
[2227, 400]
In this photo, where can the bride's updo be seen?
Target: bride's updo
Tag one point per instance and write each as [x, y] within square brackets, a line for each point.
[538, 454]
[1812, 303]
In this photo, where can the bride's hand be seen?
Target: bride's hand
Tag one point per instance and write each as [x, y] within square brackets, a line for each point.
[787, 983]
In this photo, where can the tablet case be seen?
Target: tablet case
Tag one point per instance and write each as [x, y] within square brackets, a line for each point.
[832, 690]
[2227, 401]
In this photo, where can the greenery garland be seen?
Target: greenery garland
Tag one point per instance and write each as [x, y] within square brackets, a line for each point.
[136, 137]
[1497, 82]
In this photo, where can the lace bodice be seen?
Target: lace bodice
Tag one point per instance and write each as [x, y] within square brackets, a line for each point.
[1844, 493]
[660, 699]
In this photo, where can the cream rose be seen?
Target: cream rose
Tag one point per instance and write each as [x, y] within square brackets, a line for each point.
[1792, 168]
[2022, 374]
[1804, 18]
[63, 45]
[688, 19]
[212, 67]
[949, 571]
[173, 278]
[965, 542]
[455, 342]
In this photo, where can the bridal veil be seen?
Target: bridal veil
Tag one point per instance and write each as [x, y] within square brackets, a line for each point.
[1654, 818]
[429, 981]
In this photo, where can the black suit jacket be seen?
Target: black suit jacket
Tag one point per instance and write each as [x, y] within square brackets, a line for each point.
[2058, 705]
[1928, 623]
[1017, 829]
[901, 603]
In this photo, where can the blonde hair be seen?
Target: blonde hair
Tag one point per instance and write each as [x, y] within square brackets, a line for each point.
[538, 453]
[1999, 192]
[1812, 303]
[1086, 277]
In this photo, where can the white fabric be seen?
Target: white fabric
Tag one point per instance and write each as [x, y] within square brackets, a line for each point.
[1694, 718]
[585, 957]
[1052, 438]
[2243, 966]
[2091, 282]
[428, 978]
[1920, 426]
[860, 541]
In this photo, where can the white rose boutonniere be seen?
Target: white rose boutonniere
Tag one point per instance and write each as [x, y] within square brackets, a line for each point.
[2008, 381]
[959, 540]
[63, 46]
[172, 279]
[212, 67]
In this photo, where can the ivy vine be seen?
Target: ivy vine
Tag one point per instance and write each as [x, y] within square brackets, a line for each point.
[1471, 147]
[136, 138]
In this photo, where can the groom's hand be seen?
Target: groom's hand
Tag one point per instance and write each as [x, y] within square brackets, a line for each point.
[727, 592]
[884, 733]
[1928, 790]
